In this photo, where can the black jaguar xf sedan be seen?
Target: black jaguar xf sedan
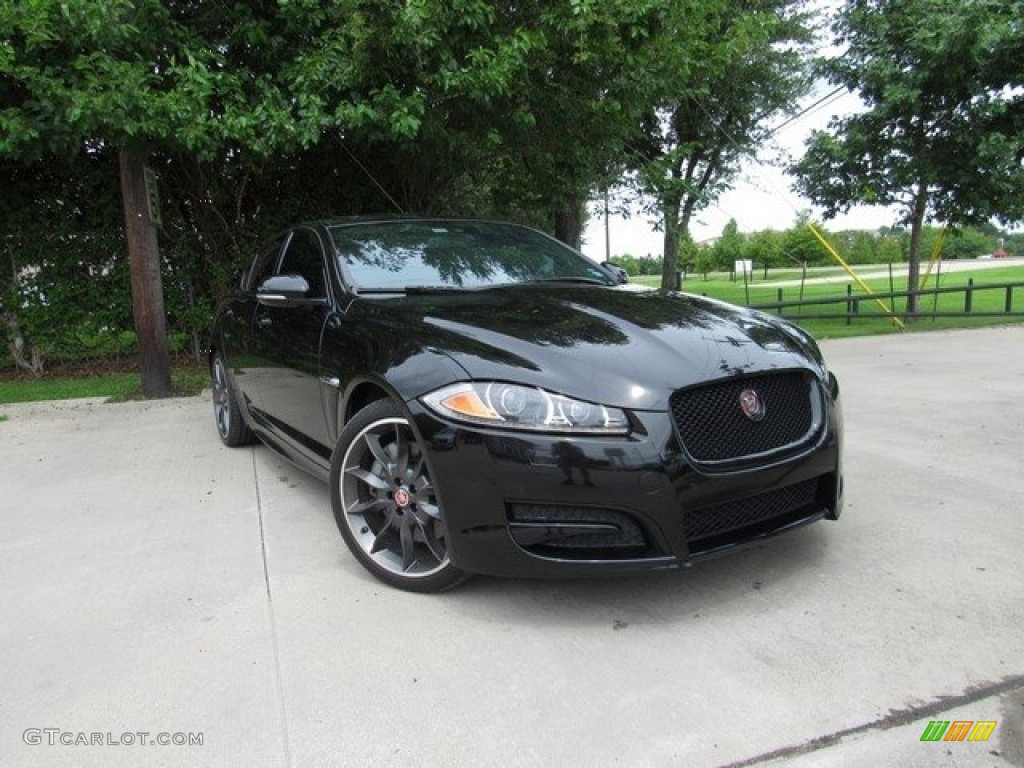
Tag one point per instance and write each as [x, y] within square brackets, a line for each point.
[483, 399]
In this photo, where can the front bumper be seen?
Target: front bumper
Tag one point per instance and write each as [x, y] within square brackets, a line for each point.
[520, 504]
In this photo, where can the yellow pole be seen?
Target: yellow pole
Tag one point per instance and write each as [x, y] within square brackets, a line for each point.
[864, 286]
[936, 255]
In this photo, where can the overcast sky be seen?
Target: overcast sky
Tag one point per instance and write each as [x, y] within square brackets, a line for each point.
[762, 196]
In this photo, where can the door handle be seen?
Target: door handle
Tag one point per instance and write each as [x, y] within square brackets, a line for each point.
[263, 321]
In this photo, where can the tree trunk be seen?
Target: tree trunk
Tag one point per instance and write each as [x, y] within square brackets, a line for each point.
[670, 250]
[147, 287]
[914, 257]
[569, 223]
[33, 364]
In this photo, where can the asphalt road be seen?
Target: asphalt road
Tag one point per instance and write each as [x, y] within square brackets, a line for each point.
[153, 582]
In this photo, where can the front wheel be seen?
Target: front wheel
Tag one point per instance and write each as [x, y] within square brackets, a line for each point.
[227, 412]
[385, 502]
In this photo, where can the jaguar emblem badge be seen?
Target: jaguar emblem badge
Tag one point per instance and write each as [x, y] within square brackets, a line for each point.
[752, 405]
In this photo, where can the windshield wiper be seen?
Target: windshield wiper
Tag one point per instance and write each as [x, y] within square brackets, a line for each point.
[410, 290]
[424, 289]
[578, 279]
[366, 291]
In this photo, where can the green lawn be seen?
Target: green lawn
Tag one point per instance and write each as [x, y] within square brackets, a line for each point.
[186, 380]
[873, 319]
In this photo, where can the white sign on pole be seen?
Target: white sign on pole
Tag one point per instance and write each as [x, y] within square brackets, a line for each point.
[153, 197]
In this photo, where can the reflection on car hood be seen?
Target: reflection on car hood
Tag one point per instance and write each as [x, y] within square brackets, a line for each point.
[604, 345]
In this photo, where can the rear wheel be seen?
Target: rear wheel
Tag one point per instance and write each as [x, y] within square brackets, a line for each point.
[385, 502]
[227, 412]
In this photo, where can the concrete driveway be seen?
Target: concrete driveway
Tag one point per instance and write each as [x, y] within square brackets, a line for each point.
[158, 587]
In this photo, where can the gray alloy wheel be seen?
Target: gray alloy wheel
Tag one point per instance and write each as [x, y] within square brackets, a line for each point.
[231, 424]
[385, 502]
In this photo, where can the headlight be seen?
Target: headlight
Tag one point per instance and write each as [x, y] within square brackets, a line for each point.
[513, 406]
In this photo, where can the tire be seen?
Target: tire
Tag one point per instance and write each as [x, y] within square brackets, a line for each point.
[227, 413]
[385, 503]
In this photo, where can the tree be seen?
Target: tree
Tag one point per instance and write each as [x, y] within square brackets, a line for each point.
[890, 248]
[764, 249]
[256, 114]
[744, 67]
[861, 248]
[136, 76]
[562, 129]
[969, 243]
[461, 106]
[943, 135]
[730, 246]
[61, 275]
[799, 244]
[236, 84]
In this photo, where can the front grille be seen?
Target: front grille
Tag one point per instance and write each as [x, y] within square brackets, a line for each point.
[575, 531]
[713, 427]
[707, 528]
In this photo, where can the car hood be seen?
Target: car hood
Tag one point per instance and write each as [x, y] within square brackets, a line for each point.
[616, 347]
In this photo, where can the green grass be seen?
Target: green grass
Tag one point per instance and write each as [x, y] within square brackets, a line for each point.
[873, 319]
[118, 387]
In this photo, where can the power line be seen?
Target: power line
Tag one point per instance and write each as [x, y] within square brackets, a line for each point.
[829, 97]
[369, 175]
[782, 196]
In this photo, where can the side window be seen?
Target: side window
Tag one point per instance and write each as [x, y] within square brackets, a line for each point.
[265, 263]
[305, 257]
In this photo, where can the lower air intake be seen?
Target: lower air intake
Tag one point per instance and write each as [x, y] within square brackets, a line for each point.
[737, 520]
[580, 532]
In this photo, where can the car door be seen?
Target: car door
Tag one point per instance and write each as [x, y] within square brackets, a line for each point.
[241, 354]
[287, 337]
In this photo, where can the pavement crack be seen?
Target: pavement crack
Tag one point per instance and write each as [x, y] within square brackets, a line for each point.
[894, 718]
[279, 679]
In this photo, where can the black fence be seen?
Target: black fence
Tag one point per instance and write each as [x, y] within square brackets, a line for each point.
[852, 303]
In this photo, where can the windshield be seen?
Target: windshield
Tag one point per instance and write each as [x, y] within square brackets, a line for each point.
[399, 255]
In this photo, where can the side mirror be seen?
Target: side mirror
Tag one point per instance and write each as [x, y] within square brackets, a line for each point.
[617, 272]
[283, 290]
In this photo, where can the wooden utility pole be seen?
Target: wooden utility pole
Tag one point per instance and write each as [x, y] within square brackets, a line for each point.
[607, 229]
[147, 286]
